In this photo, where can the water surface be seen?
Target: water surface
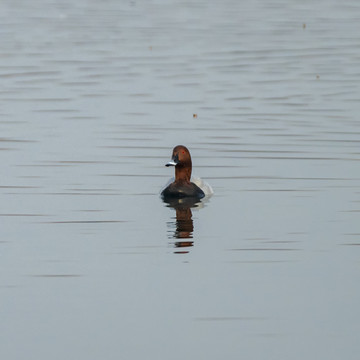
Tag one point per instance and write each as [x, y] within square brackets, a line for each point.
[94, 96]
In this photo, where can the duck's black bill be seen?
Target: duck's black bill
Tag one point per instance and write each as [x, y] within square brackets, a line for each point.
[171, 163]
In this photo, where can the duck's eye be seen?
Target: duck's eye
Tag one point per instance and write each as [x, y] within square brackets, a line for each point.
[183, 152]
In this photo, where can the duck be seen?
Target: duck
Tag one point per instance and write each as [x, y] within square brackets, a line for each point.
[182, 186]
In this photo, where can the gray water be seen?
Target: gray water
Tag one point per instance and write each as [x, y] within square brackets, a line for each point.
[95, 94]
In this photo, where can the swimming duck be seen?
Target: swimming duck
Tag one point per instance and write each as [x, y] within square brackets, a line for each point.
[182, 186]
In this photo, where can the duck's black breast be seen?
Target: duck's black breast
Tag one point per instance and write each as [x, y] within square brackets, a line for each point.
[182, 190]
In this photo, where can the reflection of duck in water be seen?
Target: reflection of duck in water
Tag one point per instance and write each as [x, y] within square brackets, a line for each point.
[183, 187]
[183, 227]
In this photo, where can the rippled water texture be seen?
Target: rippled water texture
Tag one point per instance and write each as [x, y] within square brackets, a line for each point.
[94, 95]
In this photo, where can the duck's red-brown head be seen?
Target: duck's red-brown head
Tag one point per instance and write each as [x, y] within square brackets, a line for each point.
[181, 159]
